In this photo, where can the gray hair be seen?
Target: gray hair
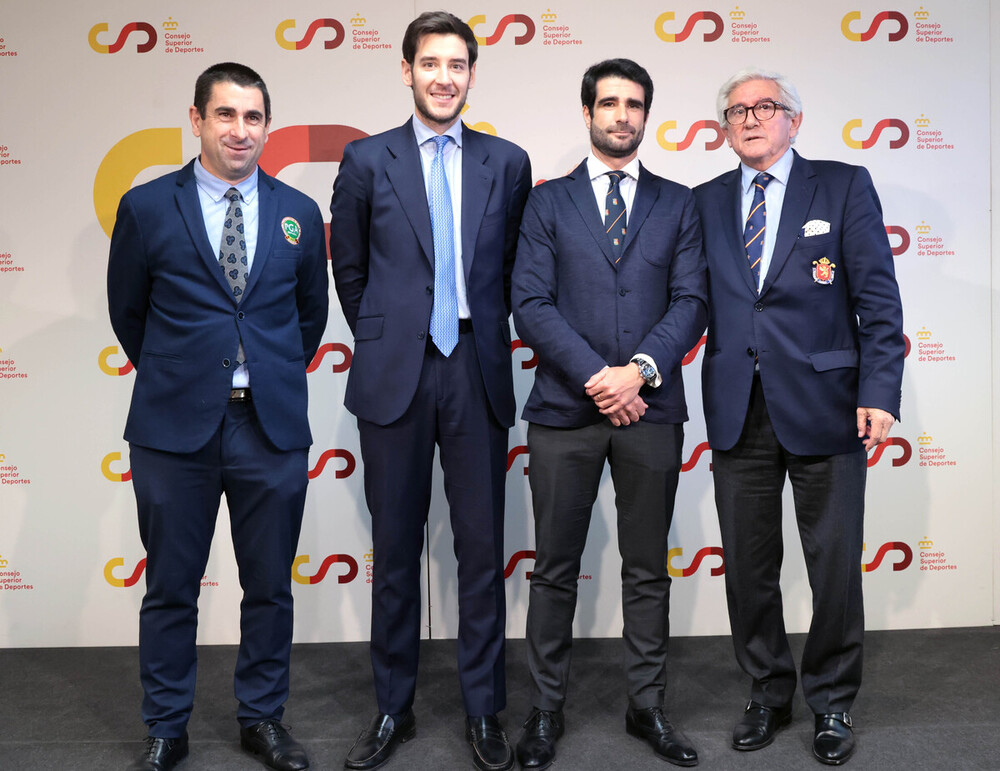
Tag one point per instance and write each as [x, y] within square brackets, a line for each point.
[787, 93]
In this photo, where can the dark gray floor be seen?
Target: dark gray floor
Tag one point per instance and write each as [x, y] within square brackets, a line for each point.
[931, 700]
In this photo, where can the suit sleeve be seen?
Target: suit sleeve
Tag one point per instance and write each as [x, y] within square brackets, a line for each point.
[312, 288]
[128, 281]
[515, 211]
[534, 291]
[670, 339]
[874, 293]
[350, 210]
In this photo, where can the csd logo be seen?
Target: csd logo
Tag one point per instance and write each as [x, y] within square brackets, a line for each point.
[136, 26]
[345, 559]
[106, 366]
[883, 550]
[710, 144]
[349, 464]
[521, 449]
[696, 456]
[882, 125]
[506, 21]
[700, 555]
[532, 360]
[314, 27]
[114, 457]
[894, 441]
[117, 562]
[693, 19]
[525, 554]
[884, 16]
[693, 353]
[904, 239]
[342, 366]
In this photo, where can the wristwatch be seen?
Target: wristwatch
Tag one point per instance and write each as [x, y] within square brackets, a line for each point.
[646, 369]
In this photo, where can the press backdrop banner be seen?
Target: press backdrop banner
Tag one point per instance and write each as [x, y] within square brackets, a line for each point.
[96, 98]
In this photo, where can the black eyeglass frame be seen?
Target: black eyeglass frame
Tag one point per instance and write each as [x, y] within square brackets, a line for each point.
[753, 109]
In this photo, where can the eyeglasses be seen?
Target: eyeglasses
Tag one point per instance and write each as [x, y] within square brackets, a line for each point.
[763, 110]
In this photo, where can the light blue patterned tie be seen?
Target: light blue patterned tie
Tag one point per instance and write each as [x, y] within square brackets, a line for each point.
[444, 315]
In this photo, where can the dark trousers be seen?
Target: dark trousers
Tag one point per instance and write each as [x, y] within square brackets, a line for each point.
[178, 499]
[450, 410]
[566, 468]
[829, 496]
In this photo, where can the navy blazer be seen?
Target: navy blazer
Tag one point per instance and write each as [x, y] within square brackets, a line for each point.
[382, 256]
[580, 311]
[825, 347]
[177, 321]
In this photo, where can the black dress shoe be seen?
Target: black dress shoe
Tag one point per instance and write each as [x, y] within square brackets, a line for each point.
[667, 742]
[490, 750]
[537, 747]
[834, 740]
[376, 743]
[161, 754]
[759, 724]
[271, 740]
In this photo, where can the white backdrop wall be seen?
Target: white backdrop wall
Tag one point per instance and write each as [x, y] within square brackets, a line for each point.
[96, 99]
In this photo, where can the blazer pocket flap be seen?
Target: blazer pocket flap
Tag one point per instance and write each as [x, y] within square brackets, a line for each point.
[826, 360]
[368, 328]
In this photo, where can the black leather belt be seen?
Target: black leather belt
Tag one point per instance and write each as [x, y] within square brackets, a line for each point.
[239, 395]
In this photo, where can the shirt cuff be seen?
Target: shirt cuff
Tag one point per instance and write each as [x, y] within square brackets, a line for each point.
[643, 357]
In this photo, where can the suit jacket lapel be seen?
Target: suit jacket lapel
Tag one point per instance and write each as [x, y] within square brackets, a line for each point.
[732, 226]
[581, 191]
[646, 194]
[189, 206]
[407, 179]
[267, 227]
[798, 198]
[477, 181]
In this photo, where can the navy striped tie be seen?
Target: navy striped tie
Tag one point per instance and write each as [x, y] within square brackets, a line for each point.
[753, 231]
[614, 213]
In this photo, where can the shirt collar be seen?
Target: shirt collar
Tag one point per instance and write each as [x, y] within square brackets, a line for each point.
[780, 170]
[216, 188]
[596, 167]
[423, 132]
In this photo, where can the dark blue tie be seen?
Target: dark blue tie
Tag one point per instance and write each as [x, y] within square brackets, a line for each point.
[615, 216]
[753, 231]
[444, 314]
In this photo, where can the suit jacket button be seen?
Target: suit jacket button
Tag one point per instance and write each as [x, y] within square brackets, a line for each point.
[240, 315]
[430, 290]
[758, 306]
[621, 292]
[750, 352]
[225, 363]
[420, 335]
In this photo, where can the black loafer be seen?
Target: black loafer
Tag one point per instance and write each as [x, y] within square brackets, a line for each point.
[376, 743]
[834, 740]
[758, 726]
[536, 748]
[490, 749]
[161, 754]
[271, 741]
[667, 742]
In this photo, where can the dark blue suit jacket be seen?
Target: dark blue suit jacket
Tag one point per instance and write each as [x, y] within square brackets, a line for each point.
[177, 320]
[382, 255]
[824, 349]
[580, 311]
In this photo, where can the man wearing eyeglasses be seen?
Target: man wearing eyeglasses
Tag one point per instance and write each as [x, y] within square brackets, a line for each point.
[801, 378]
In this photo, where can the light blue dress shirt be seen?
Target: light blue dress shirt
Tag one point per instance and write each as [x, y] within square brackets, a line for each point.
[774, 198]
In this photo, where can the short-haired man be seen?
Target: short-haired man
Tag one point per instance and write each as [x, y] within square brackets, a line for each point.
[217, 291]
[609, 291]
[802, 374]
[424, 228]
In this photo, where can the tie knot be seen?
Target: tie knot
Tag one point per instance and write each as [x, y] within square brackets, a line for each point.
[233, 194]
[616, 176]
[440, 142]
[762, 179]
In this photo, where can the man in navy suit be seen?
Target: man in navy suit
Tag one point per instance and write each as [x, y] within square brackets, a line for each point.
[423, 232]
[802, 374]
[217, 291]
[609, 291]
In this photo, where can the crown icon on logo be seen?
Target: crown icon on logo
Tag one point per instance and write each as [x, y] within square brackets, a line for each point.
[736, 13]
[925, 439]
[925, 544]
[358, 21]
[922, 121]
[924, 334]
[369, 556]
[169, 23]
[923, 227]
[548, 15]
[921, 13]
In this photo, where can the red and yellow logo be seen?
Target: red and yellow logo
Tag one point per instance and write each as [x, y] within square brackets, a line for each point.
[905, 451]
[345, 455]
[904, 239]
[516, 557]
[708, 16]
[712, 126]
[890, 17]
[109, 369]
[338, 348]
[333, 559]
[117, 562]
[531, 361]
[136, 26]
[112, 476]
[521, 449]
[882, 125]
[904, 561]
[696, 454]
[511, 18]
[691, 355]
[315, 26]
[699, 557]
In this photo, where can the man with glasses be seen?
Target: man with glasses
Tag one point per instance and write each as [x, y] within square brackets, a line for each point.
[801, 376]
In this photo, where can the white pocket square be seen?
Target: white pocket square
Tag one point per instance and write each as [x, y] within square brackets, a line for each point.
[815, 228]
